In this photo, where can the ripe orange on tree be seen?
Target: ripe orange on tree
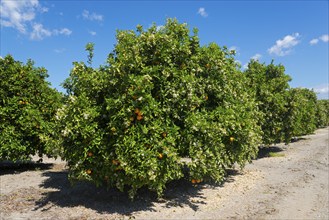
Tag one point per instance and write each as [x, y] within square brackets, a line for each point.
[115, 162]
[137, 111]
[139, 117]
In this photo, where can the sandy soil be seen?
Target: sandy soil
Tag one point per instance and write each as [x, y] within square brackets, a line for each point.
[292, 186]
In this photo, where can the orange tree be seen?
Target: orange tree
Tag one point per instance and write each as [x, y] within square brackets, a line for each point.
[160, 99]
[271, 87]
[27, 107]
[322, 113]
[300, 117]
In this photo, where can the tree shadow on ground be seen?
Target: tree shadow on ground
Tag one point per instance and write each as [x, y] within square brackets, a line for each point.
[9, 167]
[60, 192]
[297, 139]
[264, 152]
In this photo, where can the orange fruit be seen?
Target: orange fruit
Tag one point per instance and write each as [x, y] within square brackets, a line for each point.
[90, 154]
[88, 171]
[118, 168]
[137, 111]
[160, 156]
[193, 181]
[139, 117]
[164, 134]
[231, 139]
[198, 181]
[115, 162]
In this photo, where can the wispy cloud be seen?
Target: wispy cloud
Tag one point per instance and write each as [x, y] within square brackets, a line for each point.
[160, 27]
[284, 46]
[235, 48]
[60, 50]
[314, 41]
[39, 32]
[92, 16]
[324, 38]
[245, 66]
[21, 15]
[93, 33]
[16, 14]
[322, 91]
[202, 12]
[63, 31]
[257, 56]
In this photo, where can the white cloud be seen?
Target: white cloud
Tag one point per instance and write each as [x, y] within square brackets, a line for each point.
[60, 50]
[324, 38]
[322, 89]
[238, 62]
[93, 33]
[314, 41]
[257, 56]
[63, 31]
[39, 32]
[245, 66]
[16, 14]
[233, 48]
[92, 16]
[43, 9]
[202, 12]
[284, 46]
[160, 27]
[21, 15]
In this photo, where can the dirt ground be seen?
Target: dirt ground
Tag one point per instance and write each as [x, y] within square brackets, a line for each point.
[293, 185]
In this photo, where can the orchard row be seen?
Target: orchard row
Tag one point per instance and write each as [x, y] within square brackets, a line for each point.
[162, 104]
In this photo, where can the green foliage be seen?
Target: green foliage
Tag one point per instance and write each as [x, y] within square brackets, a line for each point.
[160, 98]
[270, 84]
[27, 107]
[300, 117]
[90, 49]
[322, 113]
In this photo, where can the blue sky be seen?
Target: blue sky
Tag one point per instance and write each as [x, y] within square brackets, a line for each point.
[54, 33]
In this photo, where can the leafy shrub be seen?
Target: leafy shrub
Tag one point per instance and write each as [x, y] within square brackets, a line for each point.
[300, 118]
[161, 98]
[27, 107]
[270, 84]
[322, 113]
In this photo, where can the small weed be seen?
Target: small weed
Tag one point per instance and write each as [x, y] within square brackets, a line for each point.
[275, 154]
